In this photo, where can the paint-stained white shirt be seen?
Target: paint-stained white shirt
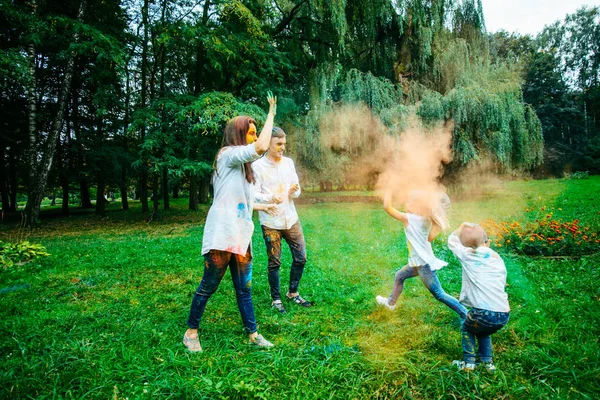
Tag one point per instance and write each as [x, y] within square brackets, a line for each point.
[419, 248]
[229, 225]
[483, 276]
[274, 179]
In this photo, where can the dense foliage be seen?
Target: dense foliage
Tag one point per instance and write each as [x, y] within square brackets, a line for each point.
[561, 73]
[130, 97]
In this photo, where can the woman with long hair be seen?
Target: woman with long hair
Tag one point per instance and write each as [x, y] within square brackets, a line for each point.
[227, 239]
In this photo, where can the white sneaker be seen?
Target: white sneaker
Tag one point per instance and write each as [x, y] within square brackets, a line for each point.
[464, 366]
[384, 302]
[490, 367]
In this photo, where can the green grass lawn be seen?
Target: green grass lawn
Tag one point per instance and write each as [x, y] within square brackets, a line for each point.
[104, 315]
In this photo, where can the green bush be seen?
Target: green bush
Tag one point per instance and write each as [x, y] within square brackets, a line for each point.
[578, 175]
[14, 253]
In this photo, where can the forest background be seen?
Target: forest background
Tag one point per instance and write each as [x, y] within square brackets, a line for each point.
[128, 98]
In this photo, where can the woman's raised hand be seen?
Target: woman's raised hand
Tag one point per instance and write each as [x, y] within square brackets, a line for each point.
[272, 103]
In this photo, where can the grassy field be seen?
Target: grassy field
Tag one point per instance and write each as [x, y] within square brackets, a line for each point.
[103, 316]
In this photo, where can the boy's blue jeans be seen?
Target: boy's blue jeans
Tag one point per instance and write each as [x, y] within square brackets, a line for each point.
[431, 282]
[481, 324]
[215, 266]
[295, 239]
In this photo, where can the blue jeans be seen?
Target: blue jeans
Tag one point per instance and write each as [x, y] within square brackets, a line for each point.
[295, 240]
[215, 265]
[481, 324]
[431, 282]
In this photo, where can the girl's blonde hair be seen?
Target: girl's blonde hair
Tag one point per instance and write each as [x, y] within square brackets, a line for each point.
[441, 205]
[435, 206]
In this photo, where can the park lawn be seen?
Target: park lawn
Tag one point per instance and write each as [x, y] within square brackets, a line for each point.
[103, 316]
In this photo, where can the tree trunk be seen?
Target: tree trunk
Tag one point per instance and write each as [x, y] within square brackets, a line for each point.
[100, 200]
[204, 188]
[176, 191]
[193, 205]
[144, 94]
[12, 179]
[42, 168]
[65, 167]
[123, 182]
[165, 187]
[4, 180]
[123, 188]
[65, 195]
[34, 198]
[86, 201]
[155, 193]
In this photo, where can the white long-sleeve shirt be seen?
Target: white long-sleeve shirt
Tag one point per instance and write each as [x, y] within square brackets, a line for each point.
[275, 179]
[229, 225]
[483, 276]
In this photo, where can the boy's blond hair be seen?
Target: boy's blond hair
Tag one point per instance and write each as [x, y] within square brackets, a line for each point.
[472, 235]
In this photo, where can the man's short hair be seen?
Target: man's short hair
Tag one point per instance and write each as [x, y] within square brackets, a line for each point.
[277, 133]
[472, 235]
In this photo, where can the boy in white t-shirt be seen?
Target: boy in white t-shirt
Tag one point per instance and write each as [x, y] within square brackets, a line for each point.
[483, 284]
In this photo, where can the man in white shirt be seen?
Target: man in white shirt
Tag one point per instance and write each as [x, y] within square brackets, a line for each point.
[276, 182]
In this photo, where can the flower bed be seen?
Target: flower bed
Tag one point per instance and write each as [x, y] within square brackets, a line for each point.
[544, 236]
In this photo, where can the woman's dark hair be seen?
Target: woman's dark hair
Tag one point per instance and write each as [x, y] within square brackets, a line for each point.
[235, 135]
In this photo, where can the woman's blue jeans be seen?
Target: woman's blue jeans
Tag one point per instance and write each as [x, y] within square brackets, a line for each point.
[431, 282]
[481, 324]
[215, 265]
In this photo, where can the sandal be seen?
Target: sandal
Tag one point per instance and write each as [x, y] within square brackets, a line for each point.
[193, 345]
[299, 300]
[260, 341]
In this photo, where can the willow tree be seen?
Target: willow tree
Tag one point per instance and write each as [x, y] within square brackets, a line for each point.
[441, 64]
[490, 119]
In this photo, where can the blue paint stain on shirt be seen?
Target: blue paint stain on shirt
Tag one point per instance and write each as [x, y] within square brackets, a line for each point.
[487, 255]
[241, 210]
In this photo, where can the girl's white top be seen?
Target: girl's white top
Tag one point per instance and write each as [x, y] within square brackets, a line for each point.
[483, 276]
[419, 248]
[229, 225]
[275, 179]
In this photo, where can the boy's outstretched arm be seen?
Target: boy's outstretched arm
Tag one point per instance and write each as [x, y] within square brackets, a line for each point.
[387, 206]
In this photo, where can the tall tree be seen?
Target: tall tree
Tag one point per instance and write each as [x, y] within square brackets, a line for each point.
[41, 155]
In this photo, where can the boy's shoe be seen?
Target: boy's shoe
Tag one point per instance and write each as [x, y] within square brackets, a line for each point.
[299, 300]
[384, 302]
[278, 305]
[260, 341]
[464, 366]
[193, 345]
[490, 367]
